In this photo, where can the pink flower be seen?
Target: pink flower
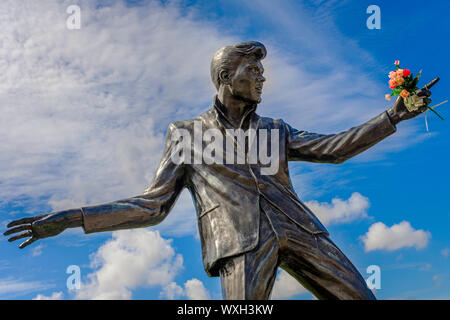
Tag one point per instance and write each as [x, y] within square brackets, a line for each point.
[404, 93]
[392, 83]
[392, 74]
[400, 80]
[406, 72]
[399, 72]
[387, 97]
[397, 62]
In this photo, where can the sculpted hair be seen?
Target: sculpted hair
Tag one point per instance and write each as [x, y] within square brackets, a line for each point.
[223, 58]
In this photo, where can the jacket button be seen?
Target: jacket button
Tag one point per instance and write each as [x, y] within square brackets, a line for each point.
[261, 186]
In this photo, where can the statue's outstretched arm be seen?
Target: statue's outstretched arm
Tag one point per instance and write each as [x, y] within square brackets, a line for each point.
[337, 148]
[144, 210]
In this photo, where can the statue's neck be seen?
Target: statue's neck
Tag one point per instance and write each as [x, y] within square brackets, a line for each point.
[234, 108]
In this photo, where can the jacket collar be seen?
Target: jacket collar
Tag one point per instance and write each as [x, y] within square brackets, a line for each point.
[221, 113]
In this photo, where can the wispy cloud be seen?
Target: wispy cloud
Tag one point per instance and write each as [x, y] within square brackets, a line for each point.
[54, 296]
[419, 266]
[10, 287]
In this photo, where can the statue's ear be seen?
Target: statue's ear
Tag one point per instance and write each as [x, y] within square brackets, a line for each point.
[224, 77]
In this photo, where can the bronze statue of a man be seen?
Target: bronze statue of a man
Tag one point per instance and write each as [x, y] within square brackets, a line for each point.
[249, 222]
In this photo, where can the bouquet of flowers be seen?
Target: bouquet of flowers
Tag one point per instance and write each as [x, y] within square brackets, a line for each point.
[403, 84]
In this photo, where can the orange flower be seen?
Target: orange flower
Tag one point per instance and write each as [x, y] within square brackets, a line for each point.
[392, 83]
[400, 80]
[404, 93]
[387, 97]
[399, 72]
[392, 74]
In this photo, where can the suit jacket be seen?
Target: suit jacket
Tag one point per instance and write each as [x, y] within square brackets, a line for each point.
[226, 196]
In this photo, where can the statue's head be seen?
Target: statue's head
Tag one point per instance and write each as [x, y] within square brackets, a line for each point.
[238, 69]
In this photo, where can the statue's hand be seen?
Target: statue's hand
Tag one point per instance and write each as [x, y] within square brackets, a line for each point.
[43, 226]
[398, 112]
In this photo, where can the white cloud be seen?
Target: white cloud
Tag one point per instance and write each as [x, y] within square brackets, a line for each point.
[401, 235]
[340, 211]
[193, 290]
[172, 291]
[133, 258]
[37, 251]
[445, 252]
[286, 287]
[54, 296]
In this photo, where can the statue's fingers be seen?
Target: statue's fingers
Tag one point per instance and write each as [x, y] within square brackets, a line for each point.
[17, 229]
[424, 93]
[24, 220]
[422, 102]
[422, 109]
[27, 243]
[425, 101]
[20, 221]
[25, 234]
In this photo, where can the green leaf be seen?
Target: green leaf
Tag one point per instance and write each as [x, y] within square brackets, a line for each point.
[435, 112]
[418, 75]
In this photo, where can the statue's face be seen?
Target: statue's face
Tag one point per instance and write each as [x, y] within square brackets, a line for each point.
[247, 81]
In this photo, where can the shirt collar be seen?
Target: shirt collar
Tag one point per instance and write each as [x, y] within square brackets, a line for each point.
[221, 110]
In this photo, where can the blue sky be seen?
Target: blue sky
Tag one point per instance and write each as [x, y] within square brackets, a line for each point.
[84, 114]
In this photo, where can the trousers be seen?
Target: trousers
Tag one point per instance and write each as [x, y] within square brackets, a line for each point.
[312, 259]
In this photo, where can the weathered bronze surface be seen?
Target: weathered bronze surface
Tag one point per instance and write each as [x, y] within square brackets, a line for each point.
[249, 223]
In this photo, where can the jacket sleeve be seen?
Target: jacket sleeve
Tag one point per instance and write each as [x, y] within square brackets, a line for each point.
[144, 210]
[337, 148]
